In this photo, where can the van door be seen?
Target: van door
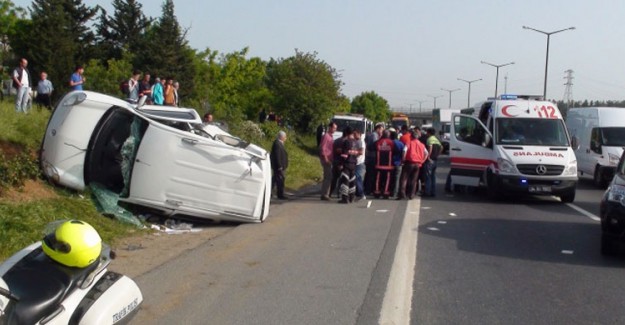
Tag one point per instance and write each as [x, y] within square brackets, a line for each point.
[470, 150]
[199, 176]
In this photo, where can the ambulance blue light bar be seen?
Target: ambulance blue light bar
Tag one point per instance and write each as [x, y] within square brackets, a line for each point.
[508, 97]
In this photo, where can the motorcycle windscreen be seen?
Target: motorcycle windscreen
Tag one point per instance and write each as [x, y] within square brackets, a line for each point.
[196, 176]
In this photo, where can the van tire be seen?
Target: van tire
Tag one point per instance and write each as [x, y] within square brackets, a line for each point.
[569, 197]
[598, 179]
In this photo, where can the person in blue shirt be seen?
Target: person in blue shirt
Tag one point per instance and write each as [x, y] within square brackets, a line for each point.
[77, 79]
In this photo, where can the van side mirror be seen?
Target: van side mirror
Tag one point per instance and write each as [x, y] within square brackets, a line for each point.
[574, 143]
[595, 146]
[487, 141]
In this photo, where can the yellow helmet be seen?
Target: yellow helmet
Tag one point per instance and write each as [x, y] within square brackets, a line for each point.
[73, 243]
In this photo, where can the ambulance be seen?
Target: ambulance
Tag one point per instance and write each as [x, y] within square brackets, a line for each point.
[514, 145]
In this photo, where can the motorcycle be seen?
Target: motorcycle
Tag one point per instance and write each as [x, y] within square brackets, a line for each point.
[35, 289]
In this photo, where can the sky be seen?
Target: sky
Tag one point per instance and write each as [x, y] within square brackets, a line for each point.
[408, 51]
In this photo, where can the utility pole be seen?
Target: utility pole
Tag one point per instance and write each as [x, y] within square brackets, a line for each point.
[420, 102]
[568, 90]
[505, 84]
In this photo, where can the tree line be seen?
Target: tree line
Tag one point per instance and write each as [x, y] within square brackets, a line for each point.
[57, 35]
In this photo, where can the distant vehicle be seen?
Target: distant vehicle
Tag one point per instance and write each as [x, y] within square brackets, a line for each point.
[356, 121]
[441, 122]
[398, 120]
[612, 212]
[601, 134]
[514, 144]
[156, 157]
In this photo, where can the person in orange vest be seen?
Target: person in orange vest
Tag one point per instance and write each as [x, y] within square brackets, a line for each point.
[416, 154]
[384, 167]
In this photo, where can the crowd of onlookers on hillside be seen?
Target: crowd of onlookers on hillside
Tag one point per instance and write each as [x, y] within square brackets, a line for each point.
[161, 91]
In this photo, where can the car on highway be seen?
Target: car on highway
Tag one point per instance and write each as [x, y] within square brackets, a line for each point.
[612, 212]
[155, 157]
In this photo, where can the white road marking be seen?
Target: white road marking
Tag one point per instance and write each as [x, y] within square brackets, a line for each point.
[433, 229]
[398, 296]
[442, 222]
[369, 204]
[584, 212]
[381, 211]
[567, 252]
[453, 214]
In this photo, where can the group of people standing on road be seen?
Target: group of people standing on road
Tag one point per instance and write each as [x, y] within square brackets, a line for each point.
[390, 164]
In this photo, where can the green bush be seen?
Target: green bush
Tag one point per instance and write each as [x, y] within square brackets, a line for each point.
[16, 170]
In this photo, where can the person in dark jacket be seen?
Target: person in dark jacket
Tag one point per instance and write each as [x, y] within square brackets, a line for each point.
[279, 163]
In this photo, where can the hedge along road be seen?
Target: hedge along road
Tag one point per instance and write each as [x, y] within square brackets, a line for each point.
[311, 262]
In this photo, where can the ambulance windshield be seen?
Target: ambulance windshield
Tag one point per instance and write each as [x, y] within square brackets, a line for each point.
[531, 132]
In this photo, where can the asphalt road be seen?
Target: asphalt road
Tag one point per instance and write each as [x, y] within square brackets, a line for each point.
[529, 260]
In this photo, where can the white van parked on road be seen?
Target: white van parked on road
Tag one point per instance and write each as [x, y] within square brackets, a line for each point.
[601, 134]
[514, 144]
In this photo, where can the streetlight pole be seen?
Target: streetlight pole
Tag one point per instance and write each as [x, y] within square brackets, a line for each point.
[469, 95]
[547, 56]
[420, 102]
[450, 91]
[435, 98]
[497, 75]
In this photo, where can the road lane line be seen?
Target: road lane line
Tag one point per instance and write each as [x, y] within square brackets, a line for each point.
[584, 212]
[398, 296]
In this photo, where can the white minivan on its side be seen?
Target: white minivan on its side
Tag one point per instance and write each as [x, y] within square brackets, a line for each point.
[601, 134]
[514, 145]
[155, 157]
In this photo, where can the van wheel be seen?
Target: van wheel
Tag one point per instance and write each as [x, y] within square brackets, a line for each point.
[598, 179]
[608, 248]
[568, 197]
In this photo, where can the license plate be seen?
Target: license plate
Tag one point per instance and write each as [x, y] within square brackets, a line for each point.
[540, 189]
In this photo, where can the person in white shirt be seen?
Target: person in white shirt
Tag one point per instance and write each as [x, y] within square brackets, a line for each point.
[21, 81]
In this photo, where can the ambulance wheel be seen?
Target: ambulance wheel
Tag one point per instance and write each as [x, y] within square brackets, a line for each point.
[492, 187]
[568, 197]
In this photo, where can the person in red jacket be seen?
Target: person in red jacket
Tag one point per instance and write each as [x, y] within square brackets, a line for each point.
[384, 149]
[416, 154]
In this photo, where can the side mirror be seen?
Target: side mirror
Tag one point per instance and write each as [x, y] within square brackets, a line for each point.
[487, 140]
[574, 143]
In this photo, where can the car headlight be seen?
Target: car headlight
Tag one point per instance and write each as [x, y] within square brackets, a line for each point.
[571, 169]
[506, 166]
[613, 159]
[616, 193]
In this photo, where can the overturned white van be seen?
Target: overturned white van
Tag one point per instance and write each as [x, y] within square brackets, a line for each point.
[514, 144]
[155, 157]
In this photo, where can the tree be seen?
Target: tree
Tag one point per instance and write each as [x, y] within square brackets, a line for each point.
[306, 90]
[9, 17]
[167, 53]
[124, 31]
[233, 84]
[57, 39]
[371, 105]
